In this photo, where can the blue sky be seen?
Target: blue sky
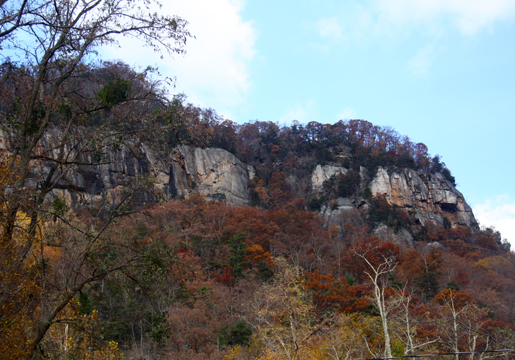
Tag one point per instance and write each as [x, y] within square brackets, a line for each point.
[440, 71]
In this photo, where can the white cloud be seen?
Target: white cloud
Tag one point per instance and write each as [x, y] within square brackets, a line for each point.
[419, 65]
[215, 70]
[469, 16]
[330, 28]
[347, 114]
[303, 113]
[498, 212]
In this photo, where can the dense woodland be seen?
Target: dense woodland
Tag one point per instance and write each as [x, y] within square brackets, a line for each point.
[198, 279]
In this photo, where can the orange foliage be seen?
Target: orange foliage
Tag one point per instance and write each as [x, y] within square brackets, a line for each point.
[256, 254]
[255, 225]
[456, 300]
[460, 232]
[333, 231]
[419, 262]
[327, 292]
[20, 292]
[187, 267]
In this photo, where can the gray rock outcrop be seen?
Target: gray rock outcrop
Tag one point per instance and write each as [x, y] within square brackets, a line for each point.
[402, 237]
[213, 173]
[323, 173]
[423, 195]
[108, 182]
[340, 206]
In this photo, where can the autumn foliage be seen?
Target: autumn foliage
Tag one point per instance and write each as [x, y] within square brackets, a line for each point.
[328, 293]
[198, 279]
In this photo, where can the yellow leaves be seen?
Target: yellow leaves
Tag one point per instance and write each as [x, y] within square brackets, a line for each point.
[20, 291]
[337, 343]
[318, 352]
[70, 336]
[494, 263]
[234, 354]
[109, 352]
[88, 351]
[7, 177]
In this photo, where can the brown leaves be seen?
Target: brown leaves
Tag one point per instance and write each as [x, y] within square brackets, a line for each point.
[456, 300]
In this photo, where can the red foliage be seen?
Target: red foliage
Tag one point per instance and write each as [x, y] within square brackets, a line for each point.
[227, 276]
[182, 250]
[458, 233]
[462, 278]
[458, 247]
[414, 263]
[279, 189]
[491, 325]
[487, 241]
[275, 150]
[404, 216]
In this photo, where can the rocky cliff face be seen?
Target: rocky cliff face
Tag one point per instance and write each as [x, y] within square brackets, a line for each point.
[107, 183]
[218, 175]
[425, 196]
[213, 173]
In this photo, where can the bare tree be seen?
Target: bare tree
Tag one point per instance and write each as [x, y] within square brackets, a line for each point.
[55, 40]
[380, 264]
[17, 14]
[46, 109]
[409, 323]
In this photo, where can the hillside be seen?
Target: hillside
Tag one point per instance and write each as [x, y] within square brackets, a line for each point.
[350, 166]
[139, 227]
